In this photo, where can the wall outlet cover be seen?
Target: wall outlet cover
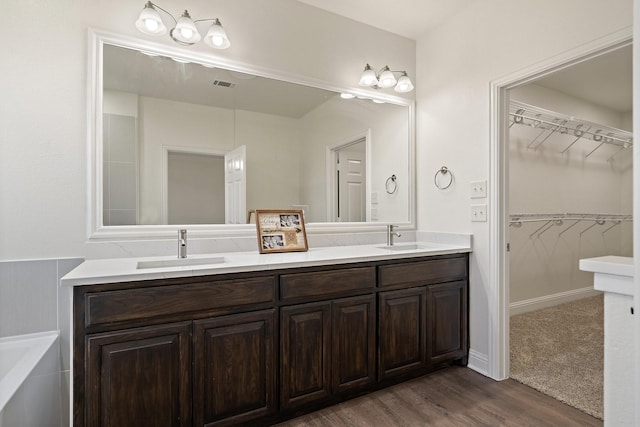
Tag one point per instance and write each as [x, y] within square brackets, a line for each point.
[479, 213]
[374, 197]
[478, 189]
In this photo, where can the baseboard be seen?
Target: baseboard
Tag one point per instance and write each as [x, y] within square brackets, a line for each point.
[545, 301]
[479, 362]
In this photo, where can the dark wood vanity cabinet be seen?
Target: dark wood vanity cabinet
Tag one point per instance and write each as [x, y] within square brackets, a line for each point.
[328, 349]
[402, 318]
[328, 346]
[139, 377]
[234, 372]
[254, 348]
[447, 321]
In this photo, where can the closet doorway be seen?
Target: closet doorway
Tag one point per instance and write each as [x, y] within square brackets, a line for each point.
[569, 196]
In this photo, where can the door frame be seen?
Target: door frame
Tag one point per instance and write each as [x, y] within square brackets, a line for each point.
[498, 301]
[330, 168]
[166, 150]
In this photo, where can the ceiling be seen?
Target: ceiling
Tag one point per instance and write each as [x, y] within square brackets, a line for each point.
[408, 18]
[605, 80]
[129, 70]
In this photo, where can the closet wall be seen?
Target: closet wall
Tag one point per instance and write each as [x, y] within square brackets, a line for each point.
[544, 261]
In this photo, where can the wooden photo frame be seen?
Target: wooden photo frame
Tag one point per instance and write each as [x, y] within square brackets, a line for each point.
[281, 231]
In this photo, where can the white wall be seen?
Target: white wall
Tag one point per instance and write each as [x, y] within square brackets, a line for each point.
[43, 123]
[273, 156]
[456, 63]
[543, 180]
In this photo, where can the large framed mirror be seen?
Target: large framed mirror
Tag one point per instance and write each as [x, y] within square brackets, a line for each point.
[183, 139]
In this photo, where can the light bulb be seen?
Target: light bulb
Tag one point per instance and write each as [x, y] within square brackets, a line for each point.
[387, 79]
[149, 21]
[216, 36]
[151, 24]
[368, 77]
[404, 84]
[187, 33]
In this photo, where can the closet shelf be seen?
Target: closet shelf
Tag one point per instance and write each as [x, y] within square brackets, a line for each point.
[550, 122]
[558, 219]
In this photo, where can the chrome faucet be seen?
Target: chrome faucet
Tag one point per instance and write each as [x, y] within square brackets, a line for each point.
[182, 243]
[390, 234]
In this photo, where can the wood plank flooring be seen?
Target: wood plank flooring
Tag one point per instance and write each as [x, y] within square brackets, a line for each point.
[454, 396]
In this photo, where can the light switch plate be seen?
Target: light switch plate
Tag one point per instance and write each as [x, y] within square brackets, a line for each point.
[374, 214]
[479, 213]
[374, 197]
[478, 189]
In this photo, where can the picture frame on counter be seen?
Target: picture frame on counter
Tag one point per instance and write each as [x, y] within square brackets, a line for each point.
[281, 231]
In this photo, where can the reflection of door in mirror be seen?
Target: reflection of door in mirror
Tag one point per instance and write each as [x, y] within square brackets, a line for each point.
[195, 188]
[235, 178]
[350, 189]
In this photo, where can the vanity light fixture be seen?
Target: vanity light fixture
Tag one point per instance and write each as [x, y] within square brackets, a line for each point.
[184, 30]
[386, 78]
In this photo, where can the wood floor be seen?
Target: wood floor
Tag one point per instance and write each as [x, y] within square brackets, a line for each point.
[451, 397]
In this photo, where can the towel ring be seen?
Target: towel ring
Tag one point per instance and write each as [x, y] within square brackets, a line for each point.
[391, 183]
[444, 171]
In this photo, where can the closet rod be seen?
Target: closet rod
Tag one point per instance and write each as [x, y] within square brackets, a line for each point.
[550, 122]
[610, 138]
[551, 220]
[567, 215]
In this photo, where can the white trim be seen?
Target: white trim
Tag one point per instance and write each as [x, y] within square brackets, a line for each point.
[636, 202]
[545, 301]
[498, 295]
[95, 228]
[479, 362]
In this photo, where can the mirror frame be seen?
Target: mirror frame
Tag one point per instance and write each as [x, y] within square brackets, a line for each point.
[98, 231]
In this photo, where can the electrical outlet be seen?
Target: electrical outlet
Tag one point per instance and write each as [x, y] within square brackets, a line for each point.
[479, 213]
[374, 197]
[374, 214]
[478, 189]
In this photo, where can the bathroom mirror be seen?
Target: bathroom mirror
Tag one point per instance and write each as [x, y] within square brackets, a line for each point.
[180, 139]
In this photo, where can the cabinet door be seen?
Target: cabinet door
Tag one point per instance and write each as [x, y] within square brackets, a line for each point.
[353, 360]
[139, 377]
[305, 340]
[448, 322]
[402, 331]
[234, 371]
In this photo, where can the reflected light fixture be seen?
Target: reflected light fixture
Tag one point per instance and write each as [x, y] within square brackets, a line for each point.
[386, 78]
[184, 29]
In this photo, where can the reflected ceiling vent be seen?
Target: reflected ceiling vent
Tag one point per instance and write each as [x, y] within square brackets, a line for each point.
[222, 83]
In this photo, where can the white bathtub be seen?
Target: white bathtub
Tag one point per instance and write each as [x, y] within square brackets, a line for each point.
[19, 355]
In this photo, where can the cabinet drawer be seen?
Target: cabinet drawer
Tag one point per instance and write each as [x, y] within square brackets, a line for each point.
[424, 272]
[326, 283]
[141, 303]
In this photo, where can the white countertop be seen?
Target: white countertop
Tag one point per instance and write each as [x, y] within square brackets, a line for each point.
[611, 273]
[125, 269]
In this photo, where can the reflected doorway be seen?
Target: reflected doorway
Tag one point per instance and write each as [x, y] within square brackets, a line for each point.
[349, 175]
[195, 188]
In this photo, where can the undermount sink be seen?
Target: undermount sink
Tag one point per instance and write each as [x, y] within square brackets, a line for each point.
[179, 262]
[403, 247]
